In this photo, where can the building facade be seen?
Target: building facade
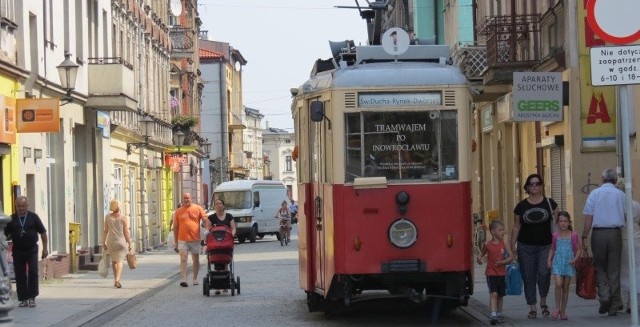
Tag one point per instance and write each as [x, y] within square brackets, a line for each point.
[278, 146]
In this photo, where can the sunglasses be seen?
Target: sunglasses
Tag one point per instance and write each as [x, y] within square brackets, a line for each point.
[535, 184]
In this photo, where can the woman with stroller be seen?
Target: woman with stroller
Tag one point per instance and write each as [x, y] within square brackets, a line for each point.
[219, 217]
[284, 217]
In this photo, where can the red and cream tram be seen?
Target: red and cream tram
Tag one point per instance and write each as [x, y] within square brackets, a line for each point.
[383, 148]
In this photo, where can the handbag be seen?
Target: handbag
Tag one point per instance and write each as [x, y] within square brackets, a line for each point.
[585, 277]
[103, 265]
[514, 279]
[132, 261]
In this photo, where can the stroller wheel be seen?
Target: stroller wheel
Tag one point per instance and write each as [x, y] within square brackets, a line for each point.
[233, 287]
[238, 284]
[205, 287]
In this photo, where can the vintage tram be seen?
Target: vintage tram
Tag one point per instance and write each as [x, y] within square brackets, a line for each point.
[383, 164]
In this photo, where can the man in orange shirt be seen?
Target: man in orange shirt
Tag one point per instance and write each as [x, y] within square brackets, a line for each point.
[186, 230]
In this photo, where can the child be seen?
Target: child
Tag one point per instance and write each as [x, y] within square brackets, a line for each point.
[562, 258]
[499, 255]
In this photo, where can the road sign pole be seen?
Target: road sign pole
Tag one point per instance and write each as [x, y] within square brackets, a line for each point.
[626, 163]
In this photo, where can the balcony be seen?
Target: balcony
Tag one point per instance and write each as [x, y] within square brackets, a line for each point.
[513, 44]
[111, 85]
[182, 42]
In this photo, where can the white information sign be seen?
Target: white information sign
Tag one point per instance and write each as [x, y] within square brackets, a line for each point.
[615, 65]
[537, 96]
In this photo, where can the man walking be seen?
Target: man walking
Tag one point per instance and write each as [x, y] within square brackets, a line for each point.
[604, 214]
[23, 230]
[186, 232]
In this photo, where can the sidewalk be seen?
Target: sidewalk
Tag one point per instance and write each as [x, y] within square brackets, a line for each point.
[75, 299]
[580, 312]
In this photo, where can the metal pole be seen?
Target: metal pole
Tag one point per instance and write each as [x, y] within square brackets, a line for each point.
[626, 163]
[143, 221]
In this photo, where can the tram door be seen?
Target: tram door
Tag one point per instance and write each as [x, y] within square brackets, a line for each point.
[315, 143]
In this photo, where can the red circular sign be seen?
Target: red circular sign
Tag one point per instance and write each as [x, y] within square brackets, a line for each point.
[607, 36]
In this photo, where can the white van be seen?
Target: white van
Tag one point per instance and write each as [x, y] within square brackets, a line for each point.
[253, 205]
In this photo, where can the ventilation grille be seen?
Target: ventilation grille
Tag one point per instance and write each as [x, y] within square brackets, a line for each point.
[350, 100]
[449, 98]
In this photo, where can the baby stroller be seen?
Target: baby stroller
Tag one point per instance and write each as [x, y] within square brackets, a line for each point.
[219, 245]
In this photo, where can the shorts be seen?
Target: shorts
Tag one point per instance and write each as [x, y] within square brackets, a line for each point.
[497, 284]
[193, 247]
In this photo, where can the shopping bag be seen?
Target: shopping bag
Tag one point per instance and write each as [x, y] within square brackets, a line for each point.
[132, 261]
[103, 265]
[585, 277]
[171, 242]
[514, 279]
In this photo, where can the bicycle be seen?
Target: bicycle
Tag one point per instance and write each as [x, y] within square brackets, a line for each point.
[283, 233]
[479, 234]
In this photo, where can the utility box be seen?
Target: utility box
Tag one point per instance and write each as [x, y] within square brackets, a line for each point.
[74, 238]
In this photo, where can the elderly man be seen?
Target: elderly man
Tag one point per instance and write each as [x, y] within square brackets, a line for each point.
[23, 229]
[604, 214]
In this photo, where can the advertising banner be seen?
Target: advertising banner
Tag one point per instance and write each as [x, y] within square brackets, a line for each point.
[38, 115]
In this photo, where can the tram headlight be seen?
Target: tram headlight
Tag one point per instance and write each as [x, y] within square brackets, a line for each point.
[403, 233]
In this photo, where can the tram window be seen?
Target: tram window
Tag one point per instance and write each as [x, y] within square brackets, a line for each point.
[401, 145]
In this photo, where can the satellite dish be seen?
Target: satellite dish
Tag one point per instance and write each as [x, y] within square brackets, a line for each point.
[176, 7]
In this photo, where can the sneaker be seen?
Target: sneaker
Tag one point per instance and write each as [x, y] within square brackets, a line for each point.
[32, 303]
[501, 319]
[604, 307]
[23, 304]
[493, 320]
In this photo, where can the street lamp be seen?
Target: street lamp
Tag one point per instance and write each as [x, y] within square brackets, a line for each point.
[206, 147]
[178, 139]
[146, 128]
[68, 71]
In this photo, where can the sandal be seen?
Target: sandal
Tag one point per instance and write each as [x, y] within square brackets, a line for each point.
[555, 315]
[545, 310]
[532, 315]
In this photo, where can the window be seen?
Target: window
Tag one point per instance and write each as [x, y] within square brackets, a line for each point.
[117, 183]
[384, 144]
[288, 163]
[235, 199]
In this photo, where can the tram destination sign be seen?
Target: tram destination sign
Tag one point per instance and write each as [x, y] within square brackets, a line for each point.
[373, 100]
[615, 65]
[537, 96]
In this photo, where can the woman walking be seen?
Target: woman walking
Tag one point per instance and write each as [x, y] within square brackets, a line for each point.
[117, 241]
[532, 232]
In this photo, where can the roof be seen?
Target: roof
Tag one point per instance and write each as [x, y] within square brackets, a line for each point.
[209, 54]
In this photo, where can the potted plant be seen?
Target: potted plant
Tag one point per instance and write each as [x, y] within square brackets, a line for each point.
[184, 122]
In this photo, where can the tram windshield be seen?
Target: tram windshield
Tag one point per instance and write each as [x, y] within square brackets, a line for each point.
[416, 145]
[235, 199]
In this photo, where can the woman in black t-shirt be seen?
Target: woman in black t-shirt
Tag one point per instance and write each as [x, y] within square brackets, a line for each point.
[219, 217]
[534, 218]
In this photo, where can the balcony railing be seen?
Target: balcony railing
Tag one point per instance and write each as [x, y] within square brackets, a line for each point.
[512, 40]
[111, 85]
[182, 41]
[472, 59]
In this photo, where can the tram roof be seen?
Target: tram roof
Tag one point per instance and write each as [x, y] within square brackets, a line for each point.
[385, 71]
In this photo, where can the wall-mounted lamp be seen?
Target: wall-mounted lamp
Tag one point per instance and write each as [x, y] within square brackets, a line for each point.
[37, 154]
[26, 153]
[146, 126]
[206, 148]
[68, 72]
[178, 139]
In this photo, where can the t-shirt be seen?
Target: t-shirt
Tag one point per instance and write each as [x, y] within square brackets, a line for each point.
[24, 230]
[187, 221]
[536, 221]
[228, 218]
[495, 252]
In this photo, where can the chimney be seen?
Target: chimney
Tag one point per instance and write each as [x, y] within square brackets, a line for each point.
[267, 123]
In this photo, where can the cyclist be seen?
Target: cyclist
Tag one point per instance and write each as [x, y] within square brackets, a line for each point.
[285, 218]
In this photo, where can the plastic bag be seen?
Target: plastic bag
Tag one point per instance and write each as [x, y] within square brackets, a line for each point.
[103, 265]
[514, 279]
[585, 277]
[171, 242]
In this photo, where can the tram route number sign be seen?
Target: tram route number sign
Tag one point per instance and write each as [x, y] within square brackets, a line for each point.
[615, 65]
